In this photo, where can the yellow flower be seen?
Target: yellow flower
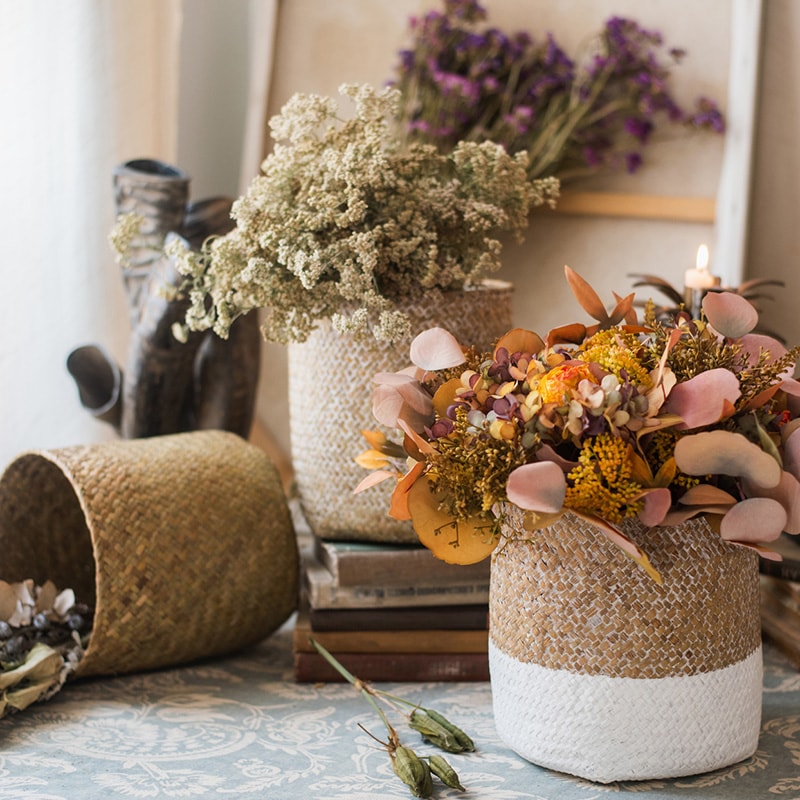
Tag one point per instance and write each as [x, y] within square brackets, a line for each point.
[603, 483]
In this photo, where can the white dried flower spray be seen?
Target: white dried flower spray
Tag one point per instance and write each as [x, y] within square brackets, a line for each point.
[344, 223]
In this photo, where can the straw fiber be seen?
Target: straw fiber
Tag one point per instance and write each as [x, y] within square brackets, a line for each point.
[566, 598]
[184, 544]
[330, 396]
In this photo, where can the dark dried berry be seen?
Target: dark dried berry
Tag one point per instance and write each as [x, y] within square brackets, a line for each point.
[75, 622]
[41, 622]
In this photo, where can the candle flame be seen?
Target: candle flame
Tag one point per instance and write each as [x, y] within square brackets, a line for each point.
[702, 257]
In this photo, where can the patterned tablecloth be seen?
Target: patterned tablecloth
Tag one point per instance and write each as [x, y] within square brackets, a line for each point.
[241, 728]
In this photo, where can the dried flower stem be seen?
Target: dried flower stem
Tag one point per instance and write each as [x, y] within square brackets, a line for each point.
[413, 770]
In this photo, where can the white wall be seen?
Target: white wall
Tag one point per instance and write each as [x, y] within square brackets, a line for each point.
[774, 250]
[319, 45]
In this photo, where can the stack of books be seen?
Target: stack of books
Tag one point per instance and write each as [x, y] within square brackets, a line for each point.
[390, 612]
[780, 597]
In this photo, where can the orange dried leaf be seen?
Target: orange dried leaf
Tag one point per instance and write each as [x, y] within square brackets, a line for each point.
[372, 459]
[520, 340]
[445, 396]
[398, 506]
[456, 541]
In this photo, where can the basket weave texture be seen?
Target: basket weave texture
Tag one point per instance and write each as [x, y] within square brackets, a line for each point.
[184, 544]
[330, 403]
[600, 672]
[564, 597]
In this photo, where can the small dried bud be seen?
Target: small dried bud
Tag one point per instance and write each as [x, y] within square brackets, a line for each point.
[445, 773]
[413, 771]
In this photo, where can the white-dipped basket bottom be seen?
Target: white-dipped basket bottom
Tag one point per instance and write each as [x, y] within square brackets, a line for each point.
[608, 729]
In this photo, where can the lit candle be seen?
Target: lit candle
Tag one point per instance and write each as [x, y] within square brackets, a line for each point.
[699, 277]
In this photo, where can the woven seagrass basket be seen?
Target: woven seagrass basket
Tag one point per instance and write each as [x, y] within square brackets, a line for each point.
[600, 672]
[330, 404]
[183, 544]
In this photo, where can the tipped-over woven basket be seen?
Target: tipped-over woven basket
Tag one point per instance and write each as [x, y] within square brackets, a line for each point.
[600, 672]
[184, 544]
[330, 404]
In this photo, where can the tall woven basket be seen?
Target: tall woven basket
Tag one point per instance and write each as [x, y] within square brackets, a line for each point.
[599, 672]
[183, 544]
[330, 404]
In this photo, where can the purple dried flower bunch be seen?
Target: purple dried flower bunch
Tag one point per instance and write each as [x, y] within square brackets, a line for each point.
[461, 80]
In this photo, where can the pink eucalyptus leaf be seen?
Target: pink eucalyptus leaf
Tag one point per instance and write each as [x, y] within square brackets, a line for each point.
[676, 516]
[540, 486]
[401, 376]
[730, 314]
[656, 503]
[373, 479]
[764, 552]
[755, 343]
[435, 349]
[547, 453]
[702, 400]
[790, 386]
[724, 453]
[791, 452]
[402, 397]
[787, 493]
[706, 495]
[416, 398]
[757, 519]
[386, 405]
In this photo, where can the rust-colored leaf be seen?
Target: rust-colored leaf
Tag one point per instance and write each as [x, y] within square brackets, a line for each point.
[588, 298]
[623, 310]
[573, 333]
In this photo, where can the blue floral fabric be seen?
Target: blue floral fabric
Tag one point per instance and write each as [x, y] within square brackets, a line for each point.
[241, 728]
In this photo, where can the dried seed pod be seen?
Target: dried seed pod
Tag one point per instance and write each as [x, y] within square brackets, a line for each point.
[433, 731]
[413, 771]
[467, 745]
[446, 774]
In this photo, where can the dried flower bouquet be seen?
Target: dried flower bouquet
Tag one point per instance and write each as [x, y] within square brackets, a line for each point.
[655, 420]
[462, 80]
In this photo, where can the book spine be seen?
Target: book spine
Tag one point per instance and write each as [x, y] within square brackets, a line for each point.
[787, 570]
[323, 591]
[431, 641]
[395, 667]
[778, 628]
[393, 566]
[460, 617]
[321, 595]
